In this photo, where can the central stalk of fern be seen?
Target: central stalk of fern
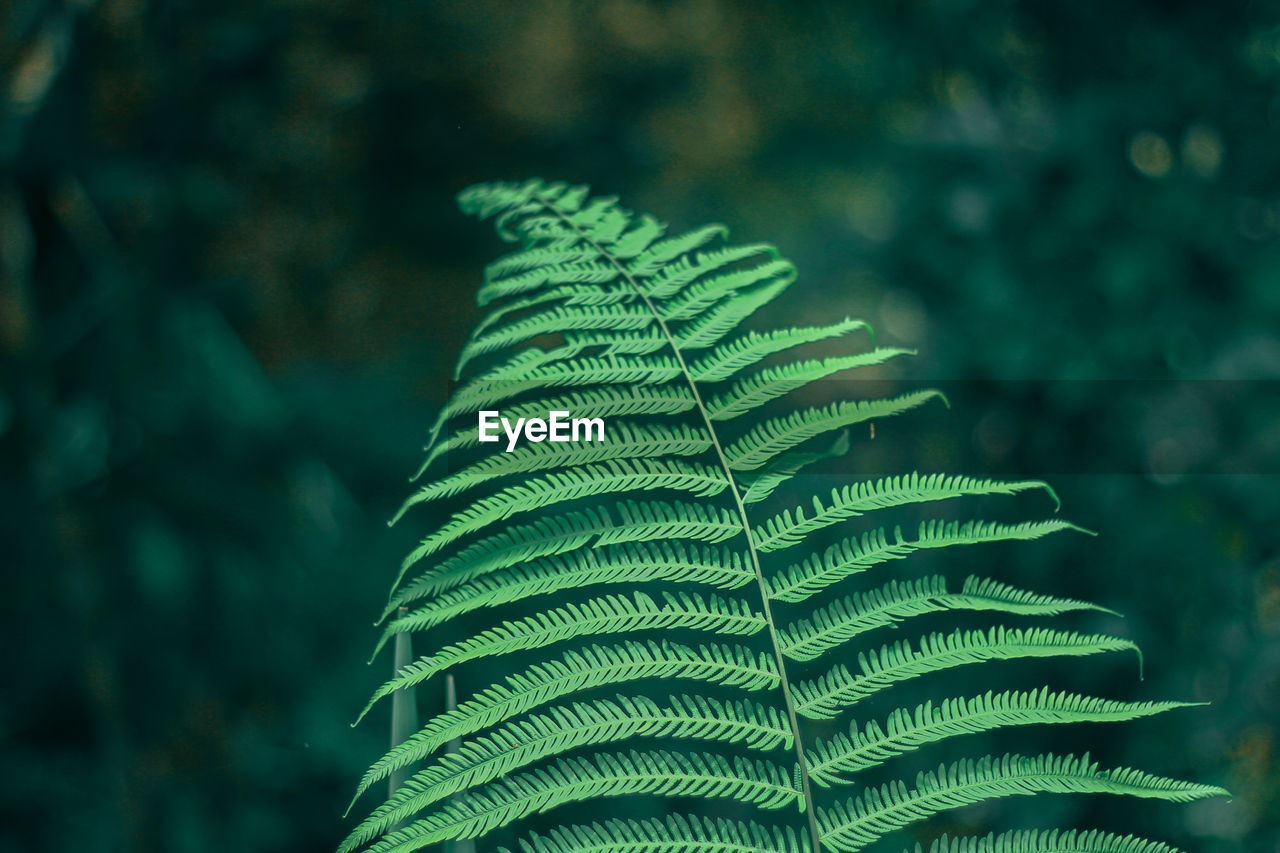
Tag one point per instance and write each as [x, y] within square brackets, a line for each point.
[784, 683]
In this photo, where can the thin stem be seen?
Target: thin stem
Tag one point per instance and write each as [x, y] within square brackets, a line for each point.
[404, 709]
[815, 836]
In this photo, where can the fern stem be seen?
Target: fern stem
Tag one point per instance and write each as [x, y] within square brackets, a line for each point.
[404, 709]
[784, 684]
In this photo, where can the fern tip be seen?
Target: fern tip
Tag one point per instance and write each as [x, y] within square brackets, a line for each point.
[1057, 501]
[404, 507]
[387, 634]
[422, 469]
[351, 805]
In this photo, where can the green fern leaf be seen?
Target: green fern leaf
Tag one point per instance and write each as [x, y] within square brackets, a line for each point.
[608, 615]
[662, 255]
[749, 393]
[615, 476]
[726, 360]
[594, 553]
[563, 318]
[732, 666]
[630, 563]
[519, 744]
[1052, 841]
[826, 696]
[783, 531]
[905, 730]
[677, 834]
[852, 826]
[777, 435]
[757, 783]
[726, 315]
[637, 521]
[855, 555]
[762, 484]
[841, 621]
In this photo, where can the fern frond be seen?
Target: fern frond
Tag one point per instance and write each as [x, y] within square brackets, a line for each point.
[568, 294]
[600, 334]
[762, 484]
[907, 730]
[536, 256]
[693, 300]
[1049, 841]
[601, 343]
[751, 392]
[599, 313]
[662, 254]
[669, 561]
[777, 435]
[637, 238]
[856, 554]
[638, 521]
[616, 476]
[613, 614]
[648, 520]
[514, 544]
[675, 834]
[840, 621]
[725, 360]
[485, 200]
[724, 316]
[565, 728]
[612, 343]
[826, 696]
[854, 825]
[784, 530]
[548, 273]
[686, 275]
[757, 783]
[559, 319]
[592, 667]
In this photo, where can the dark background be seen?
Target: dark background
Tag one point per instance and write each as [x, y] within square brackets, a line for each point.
[234, 282]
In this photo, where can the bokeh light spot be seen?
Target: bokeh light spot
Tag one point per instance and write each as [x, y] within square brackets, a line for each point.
[1150, 154]
[1202, 150]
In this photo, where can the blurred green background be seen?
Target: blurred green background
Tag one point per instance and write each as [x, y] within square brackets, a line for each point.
[234, 283]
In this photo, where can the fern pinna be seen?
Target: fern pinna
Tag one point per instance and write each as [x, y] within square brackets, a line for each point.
[617, 569]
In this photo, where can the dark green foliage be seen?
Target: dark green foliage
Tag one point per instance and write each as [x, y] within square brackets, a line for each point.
[617, 545]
